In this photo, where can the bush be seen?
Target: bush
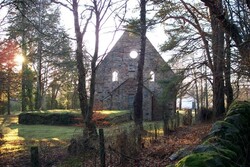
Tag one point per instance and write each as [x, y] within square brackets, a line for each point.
[3, 107]
[205, 114]
[187, 117]
[48, 118]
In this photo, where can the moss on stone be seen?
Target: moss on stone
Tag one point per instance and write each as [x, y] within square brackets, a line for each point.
[225, 144]
[239, 107]
[225, 131]
[207, 159]
[222, 143]
[221, 149]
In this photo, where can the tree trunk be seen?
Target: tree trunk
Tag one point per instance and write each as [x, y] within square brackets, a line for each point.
[93, 68]
[38, 102]
[8, 90]
[233, 31]
[90, 128]
[180, 102]
[139, 94]
[138, 112]
[228, 86]
[218, 58]
[24, 65]
[206, 89]
[38, 99]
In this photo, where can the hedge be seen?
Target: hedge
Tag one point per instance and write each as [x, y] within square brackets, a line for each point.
[48, 118]
[227, 143]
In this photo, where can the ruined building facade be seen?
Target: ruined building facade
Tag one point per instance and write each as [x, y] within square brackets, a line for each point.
[116, 79]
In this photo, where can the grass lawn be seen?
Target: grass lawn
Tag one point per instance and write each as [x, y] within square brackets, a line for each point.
[48, 132]
[20, 137]
[40, 132]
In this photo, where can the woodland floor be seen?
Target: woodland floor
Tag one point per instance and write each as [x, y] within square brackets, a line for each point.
[158, 152]
[155, 153]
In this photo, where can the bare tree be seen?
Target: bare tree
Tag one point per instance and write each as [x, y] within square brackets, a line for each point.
[138, 111]
[100, 12]
[192, 22]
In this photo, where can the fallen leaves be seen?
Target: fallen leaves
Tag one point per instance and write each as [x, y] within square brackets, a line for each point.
[187, 136]
[156, 152]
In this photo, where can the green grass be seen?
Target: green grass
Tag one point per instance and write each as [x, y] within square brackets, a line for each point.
[62, 111]
[47, 132]
[38, 132]
[114, 113]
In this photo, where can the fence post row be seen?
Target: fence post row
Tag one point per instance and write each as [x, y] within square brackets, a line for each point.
[102, 147]
[34, 156]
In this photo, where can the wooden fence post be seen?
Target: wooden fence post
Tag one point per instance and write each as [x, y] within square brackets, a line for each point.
[34, 156]
[102, 147]
[178, 118]
[156, 131]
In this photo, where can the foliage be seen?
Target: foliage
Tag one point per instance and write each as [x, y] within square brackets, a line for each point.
[187, 117]
[71, 117]
[45, 45]
[170, 86]
[48, 118]
[205, 114]
[182, 27]
[9, 78]
[207, 159]
[235, 21]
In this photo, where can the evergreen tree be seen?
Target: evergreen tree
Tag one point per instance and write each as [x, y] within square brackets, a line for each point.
[45, 44]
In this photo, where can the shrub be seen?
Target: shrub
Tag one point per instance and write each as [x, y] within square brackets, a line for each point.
[187, 117]
[3, 107]
[205, 114]
[48, 118]
[60, 119]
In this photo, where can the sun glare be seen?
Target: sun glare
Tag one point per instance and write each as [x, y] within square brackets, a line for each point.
[19, 59]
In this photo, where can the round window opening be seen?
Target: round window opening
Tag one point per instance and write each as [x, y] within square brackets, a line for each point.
[133, 54]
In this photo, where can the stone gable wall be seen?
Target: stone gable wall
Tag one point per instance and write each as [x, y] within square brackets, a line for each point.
[116, 95]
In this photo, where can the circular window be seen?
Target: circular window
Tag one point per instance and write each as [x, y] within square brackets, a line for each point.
[133, 54]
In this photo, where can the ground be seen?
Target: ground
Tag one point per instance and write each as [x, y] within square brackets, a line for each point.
[156, 150]
[159, 151]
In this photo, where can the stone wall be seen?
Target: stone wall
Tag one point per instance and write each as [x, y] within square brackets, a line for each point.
[119, 94]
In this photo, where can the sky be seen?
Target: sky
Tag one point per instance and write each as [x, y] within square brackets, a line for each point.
[155, 36]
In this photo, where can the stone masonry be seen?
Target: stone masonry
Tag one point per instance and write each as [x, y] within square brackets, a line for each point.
[116, 79]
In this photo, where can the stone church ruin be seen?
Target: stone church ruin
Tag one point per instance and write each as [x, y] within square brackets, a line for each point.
[116, 79]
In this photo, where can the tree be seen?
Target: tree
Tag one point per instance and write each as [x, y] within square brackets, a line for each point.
[218, 65]
[188, 41]
[227, 72]
[97, 10]
[44, 44]
[190, 35]
[234, 19]
[170, 86]
[9, 78]
[138, 111]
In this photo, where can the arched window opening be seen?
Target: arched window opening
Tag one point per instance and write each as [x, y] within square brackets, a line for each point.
[114, 76]
[152, 76]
